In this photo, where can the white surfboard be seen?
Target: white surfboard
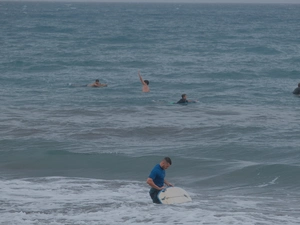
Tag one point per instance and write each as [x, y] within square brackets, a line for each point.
[173, 195]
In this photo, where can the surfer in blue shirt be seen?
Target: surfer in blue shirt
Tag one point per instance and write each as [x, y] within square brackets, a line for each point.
[156, 179]
[184, 100]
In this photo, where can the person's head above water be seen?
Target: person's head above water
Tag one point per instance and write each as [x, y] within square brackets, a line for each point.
[97, 81]
[147, 82]
[183, 96]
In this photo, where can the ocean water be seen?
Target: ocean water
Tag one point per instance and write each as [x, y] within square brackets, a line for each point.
[80, 155]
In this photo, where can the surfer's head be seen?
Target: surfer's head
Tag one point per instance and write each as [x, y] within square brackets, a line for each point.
[165, 163]
[147, 82]
[183, 96]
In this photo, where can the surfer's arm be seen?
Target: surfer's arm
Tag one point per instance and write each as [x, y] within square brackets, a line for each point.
[93, 85]
[153, 185]
[141, 79]
[167, 183]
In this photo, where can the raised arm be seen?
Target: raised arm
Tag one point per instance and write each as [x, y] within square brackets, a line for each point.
[141, 79]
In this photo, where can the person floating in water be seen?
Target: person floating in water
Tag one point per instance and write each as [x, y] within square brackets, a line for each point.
[297, 90]
[184, 100]
[145, 83]
[97, 84]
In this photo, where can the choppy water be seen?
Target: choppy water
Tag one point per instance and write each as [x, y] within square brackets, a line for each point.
[81, 155]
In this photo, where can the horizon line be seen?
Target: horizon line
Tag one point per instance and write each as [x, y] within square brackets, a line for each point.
[149, 1]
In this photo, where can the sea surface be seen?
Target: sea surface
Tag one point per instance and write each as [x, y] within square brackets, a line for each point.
[71, 154]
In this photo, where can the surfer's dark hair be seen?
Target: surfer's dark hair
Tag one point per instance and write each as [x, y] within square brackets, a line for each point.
[97, 80]
[168, 160]
[182, 96]
[147, 82]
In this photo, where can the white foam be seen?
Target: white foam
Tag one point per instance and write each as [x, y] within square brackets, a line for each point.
[272, 182]
[59, 200]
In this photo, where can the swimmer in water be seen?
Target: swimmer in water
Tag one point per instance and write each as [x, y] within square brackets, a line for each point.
[97, 84]
[145, 83]
[297, 90]
[184, 100]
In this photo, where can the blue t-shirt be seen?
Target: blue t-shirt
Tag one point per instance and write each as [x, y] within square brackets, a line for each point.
[158, 175]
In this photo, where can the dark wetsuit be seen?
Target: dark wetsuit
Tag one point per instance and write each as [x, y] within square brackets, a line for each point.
[296, 91]
[182, 101]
